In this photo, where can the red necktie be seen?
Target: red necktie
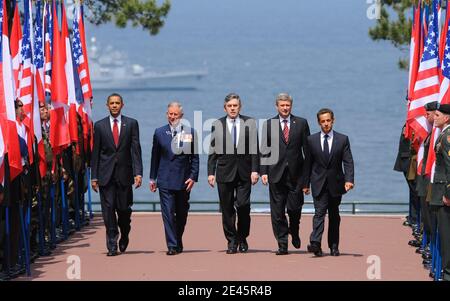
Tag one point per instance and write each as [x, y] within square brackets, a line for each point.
[286, 131]
[116, 132]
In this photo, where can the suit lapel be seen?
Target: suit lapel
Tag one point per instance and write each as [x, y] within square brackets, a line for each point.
[108, 131]
[292, 128]
[227, 136]
[333, 146]
[319, 148]
[280, 130]
[123, 128]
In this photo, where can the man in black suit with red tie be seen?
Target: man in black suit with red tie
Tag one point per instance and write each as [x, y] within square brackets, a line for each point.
[116, 165]
[233, 162]
[331, 176]
[284, 154]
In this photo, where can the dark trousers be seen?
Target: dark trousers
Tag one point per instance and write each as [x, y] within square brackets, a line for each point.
[285, 194]
[443, 216]
[174, 211]
[116, 198]
[414, 201]
[323, 202]
[433, 219]
[235, 197]
[426, 217]
[14, 219]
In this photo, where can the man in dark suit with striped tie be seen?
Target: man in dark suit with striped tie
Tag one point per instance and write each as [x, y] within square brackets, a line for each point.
[284, 154]
[331, 175]
[116, 165]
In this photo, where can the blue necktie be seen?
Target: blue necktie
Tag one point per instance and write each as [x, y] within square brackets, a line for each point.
[326, 147]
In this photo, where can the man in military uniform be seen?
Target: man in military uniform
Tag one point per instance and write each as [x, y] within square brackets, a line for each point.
[423, 184]
[406, 162]
[440, 193]
[48, 178]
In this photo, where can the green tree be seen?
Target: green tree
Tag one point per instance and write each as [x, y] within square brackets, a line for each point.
[145, 13]
[395, 30]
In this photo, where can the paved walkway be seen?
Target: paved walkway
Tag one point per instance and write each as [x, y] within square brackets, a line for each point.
[204, 257]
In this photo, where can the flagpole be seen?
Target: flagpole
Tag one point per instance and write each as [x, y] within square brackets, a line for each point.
[91, 215]
[64, 209]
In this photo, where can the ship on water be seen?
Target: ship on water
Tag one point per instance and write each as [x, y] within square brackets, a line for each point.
[110, 69]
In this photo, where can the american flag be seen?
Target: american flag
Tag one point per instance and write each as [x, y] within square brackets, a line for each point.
[426, 87]
[444, 98]
[48, 29]
[26, 78]
[38, 55]
[7, 112]
[16, 46]
[2, 156]
[79, 53]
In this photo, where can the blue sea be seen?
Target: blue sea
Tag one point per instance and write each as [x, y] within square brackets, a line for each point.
[318, 51]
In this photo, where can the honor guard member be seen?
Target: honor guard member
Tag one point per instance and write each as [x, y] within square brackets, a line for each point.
[48, 178]
[423, 186]
[406, 162]
[440, 200]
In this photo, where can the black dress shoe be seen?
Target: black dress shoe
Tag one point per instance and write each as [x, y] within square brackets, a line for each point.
[282, 251]
[334, 252]
[414, 243]
[296, 242]
[243, 246]
[171, 252]
[123, 243]
[317, 250]
[112, 253]
[179, 248]
[232, 250]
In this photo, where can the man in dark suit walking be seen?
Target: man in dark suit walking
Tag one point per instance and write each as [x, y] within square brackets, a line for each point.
[330, 153]
[174, 170]
[233, 162]
[116, 165]
[284, 168]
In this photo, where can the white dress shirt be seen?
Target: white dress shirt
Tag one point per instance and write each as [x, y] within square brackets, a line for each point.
[230, 127]
[282, 122]
[119, 122]
[330, 139]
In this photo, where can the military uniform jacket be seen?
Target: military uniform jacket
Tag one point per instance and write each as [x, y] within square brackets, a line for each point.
[422, 181]
[441, 182]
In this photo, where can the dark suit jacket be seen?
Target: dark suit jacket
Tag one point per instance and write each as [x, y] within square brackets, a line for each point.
[331, 171]
[171, 169]
[404, 154]
[292, 154]
[224, 160]
[126, 158]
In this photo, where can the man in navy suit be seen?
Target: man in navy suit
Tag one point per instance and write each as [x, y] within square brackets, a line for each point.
[330, 153]
[116, 165]
[174, 170]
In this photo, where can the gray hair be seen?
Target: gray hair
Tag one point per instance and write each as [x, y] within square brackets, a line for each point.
[284, 97]
[232, 96]
[176, 104]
